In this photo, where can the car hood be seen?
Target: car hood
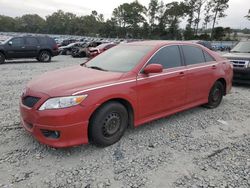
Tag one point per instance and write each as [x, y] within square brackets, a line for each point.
[237, 55]
[67, 81]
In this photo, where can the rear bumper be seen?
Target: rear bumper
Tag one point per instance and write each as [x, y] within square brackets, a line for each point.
[55, 53]
[71, 123]
[241, 75]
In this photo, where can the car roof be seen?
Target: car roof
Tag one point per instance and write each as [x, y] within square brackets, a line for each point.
[158, 43]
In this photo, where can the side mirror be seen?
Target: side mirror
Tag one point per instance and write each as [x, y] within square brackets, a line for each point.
[153, 68]
[10, 43]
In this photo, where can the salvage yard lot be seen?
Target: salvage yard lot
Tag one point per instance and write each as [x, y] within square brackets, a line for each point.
[197, 147]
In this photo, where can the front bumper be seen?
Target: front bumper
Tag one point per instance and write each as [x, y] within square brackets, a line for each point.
[71, 123]
[241, 75]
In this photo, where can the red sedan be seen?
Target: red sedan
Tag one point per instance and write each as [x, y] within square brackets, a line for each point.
[128, 85]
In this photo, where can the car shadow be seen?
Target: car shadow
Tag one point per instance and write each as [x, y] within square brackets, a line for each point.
[238, 85]
[25, 62]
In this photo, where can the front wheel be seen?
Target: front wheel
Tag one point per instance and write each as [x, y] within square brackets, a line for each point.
[108, 124]
[215, 95]
[44, 56]
[2, 58]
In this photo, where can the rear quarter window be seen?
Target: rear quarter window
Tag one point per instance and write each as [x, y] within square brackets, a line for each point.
[193, 55]
[208, 57]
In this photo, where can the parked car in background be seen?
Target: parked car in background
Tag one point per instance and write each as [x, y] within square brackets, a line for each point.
[67, 42]
[127, 85]
[99, 49]
[83, 51]
[239, 56]
[207, 44]
[40, 47]
[67, 50]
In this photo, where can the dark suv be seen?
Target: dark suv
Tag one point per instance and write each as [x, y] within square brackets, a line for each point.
[40, 47]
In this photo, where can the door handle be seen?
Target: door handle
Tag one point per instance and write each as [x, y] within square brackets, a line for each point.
[181, 73]
[213, 66]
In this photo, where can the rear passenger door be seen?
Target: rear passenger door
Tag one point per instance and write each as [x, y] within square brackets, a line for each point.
[200, 73]
[31, 46]
[166, 91]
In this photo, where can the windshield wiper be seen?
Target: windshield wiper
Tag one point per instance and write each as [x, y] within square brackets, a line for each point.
[97, 68]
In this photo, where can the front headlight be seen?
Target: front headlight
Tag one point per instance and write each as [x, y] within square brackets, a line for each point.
[62, 102]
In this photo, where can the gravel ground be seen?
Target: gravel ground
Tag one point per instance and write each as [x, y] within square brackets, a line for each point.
[194, 148]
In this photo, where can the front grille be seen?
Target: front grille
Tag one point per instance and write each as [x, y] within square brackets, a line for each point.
[240, 63]
[30, 101]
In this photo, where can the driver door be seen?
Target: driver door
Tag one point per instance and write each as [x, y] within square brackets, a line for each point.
[162, 92]
[15, 48]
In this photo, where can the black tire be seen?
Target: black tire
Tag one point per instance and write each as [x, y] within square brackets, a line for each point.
[82, 54]
[215, 95]
[2, 58]
[108, 124]
[44, 56]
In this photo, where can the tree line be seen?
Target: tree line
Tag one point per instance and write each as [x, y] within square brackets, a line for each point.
[132, 20]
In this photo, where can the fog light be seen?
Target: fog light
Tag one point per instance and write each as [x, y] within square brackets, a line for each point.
[50, 134]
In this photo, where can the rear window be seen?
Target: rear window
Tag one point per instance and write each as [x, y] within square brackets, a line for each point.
[193, 55]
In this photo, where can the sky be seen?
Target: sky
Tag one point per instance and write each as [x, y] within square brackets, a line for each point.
[235, 13]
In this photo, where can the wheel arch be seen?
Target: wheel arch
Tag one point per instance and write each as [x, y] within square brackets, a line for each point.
[48, 50]
[125, 103]
[224, 83]
[2, 51]
[122, 101]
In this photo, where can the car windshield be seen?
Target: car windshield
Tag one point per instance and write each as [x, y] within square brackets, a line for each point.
[122, 58]
[242, 47]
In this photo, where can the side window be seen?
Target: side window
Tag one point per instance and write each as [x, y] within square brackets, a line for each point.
[17, 42]
[193, 55]
[42, 40]
[208, 57]
[168, 57]
[32, 41]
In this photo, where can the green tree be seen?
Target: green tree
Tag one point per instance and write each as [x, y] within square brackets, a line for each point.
[30, 23]
[173, 13]
[248, 15]
[198, 9]
[228, 31]
[7, 23]
[152, 12]
[207, 15]
[130, 16]
[218, 8]
[219, 33]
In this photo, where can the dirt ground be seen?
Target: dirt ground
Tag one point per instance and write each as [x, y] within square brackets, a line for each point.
[195, 148]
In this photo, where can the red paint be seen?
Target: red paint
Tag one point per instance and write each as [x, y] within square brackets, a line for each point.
[152, 95]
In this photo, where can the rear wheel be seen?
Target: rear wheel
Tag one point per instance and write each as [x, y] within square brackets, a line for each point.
[44, 56]
[2, 58]
[215, 95]
[108, 124]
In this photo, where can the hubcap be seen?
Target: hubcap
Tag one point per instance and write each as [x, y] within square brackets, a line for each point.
[216, 94]
[111, 124]
[45, 57]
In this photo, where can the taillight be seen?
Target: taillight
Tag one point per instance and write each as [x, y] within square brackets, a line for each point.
[55, 47]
